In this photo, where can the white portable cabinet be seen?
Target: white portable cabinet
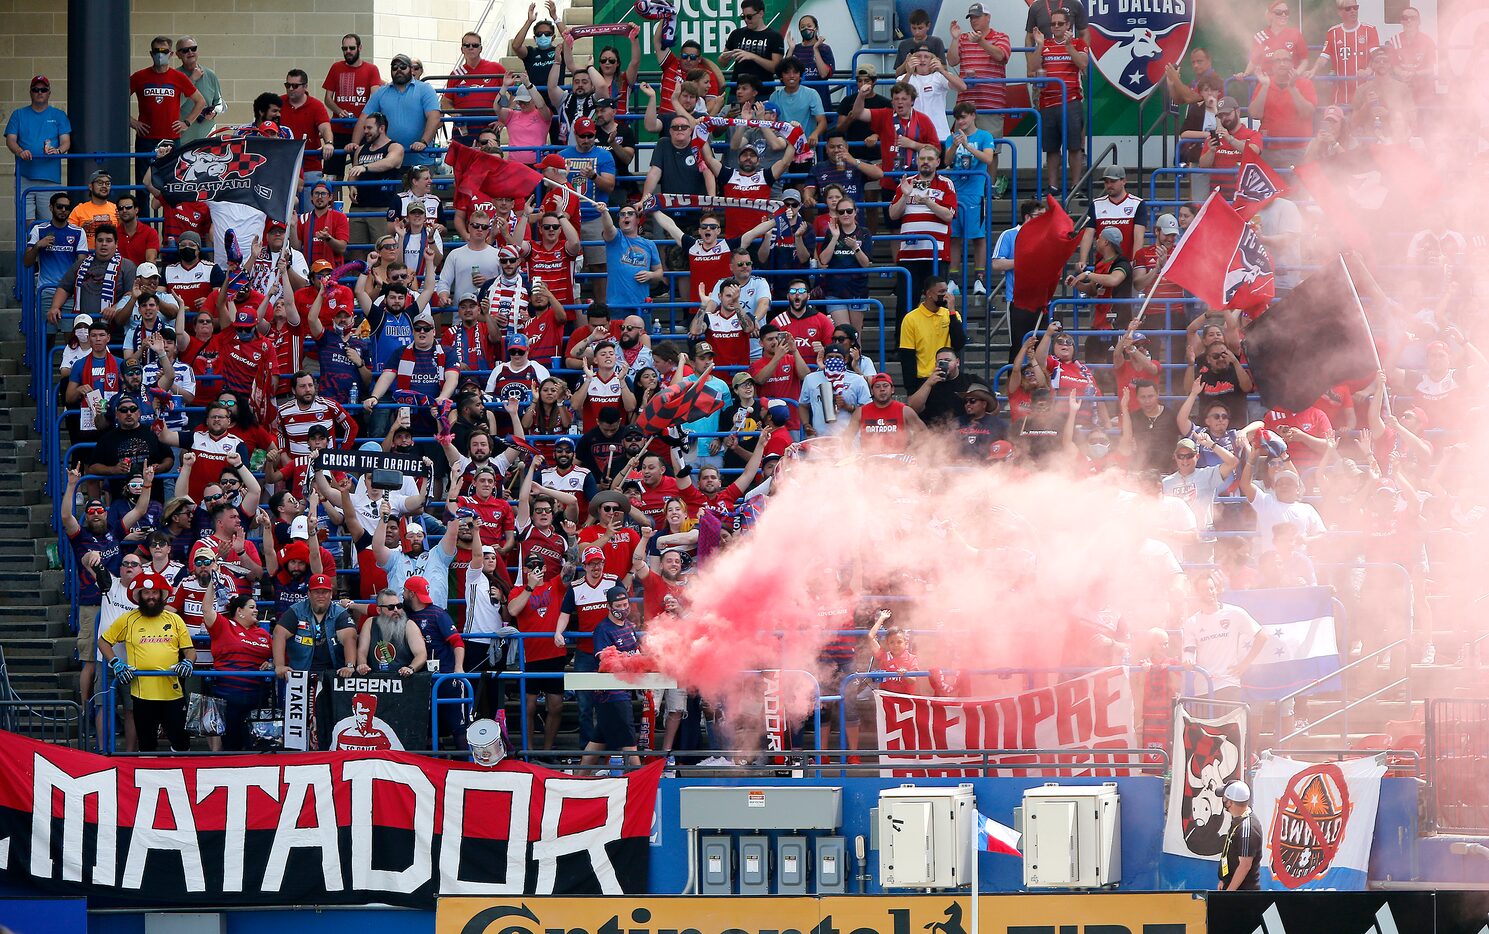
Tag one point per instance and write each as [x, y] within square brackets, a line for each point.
[925, 836]
[1072, 836]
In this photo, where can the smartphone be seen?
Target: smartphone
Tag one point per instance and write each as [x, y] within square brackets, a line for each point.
[942, 366]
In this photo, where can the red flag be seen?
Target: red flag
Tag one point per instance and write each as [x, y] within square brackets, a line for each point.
[1221, 260]
[482, 176]
[1257, 184]
[1040, 252]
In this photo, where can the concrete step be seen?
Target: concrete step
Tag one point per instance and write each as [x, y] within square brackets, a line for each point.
[34, 613]
[42, 663]
[22, 564]
[41, 513]
[18, 546]
[31, 685]
[35, 625]
[23, 496]
[38, 648]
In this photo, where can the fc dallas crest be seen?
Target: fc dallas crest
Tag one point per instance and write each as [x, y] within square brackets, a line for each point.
[1132, 40]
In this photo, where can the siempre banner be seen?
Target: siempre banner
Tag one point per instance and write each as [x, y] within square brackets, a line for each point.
[1302, 646]
[1212, 754]
[1318, 822]
[1157, 913]
[1088, 713]
[257, 171]
[316, 828]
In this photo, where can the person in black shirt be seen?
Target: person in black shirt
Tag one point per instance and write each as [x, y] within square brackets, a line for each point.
[620, 139]
[1154, 429]
[976, 428]
[754, 49]
[938, 399]
[862, 142]
[542, 55]
[1240, 853]
[125, 449]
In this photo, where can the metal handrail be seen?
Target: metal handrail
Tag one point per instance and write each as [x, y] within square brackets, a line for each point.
[1342, 710]
[1317, 682]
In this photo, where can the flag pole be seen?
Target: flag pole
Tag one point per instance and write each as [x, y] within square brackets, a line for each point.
[601, 205]
[1142, 310]
[976, 874]
[1360, 307]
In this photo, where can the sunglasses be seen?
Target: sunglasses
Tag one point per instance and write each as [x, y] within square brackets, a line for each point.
[516, 350]
[610, 508]
[351, 48]
[126, 409]
[203, 561]
[422, 328]
[743, 263]
[41, 90]
[552, 227]
[131, 564]
[584, 136]
[62, 206]
[400, 68]
[212, 498]
[846, 211]
[480, 226]
[796, 291]
[690, 58]
[470, 45]
[288, 86]
[390, 606]
[95, 511]
[510, 262]
[708, 226]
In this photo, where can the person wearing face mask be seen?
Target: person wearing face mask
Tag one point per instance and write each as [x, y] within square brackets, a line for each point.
[190, 279]
[816, 59]
[926, 331]
[535, 604]
[541, 55]
[162, 94]
[412, 111]
[152, 638]
[1094, 455]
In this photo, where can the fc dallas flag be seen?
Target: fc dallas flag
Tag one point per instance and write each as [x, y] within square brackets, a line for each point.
[1221, 260]
[482, 176]
[1040, 252]
[1257, 185]
[1313, 339]
[258, 171]
[322, 828]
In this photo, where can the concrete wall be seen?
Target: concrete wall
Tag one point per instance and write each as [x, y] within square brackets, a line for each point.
[250, 44]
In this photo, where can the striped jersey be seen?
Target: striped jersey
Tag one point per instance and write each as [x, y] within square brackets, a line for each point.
[935, 239]
[295, 423]
[1348, 51]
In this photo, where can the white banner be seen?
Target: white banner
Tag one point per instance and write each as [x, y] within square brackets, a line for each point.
[1207, 756]
[1318, 822]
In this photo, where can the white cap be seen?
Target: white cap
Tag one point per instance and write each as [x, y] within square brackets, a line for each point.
[1166, 224]
[424, 317]
[82, 322]
[146, 269]
[300, 528]
[1238, 791]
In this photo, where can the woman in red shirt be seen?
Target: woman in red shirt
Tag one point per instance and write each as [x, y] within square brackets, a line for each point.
[239, 643]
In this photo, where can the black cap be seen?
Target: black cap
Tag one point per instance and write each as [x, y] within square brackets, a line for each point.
[617, 593]
[604, 102]
[633, 431]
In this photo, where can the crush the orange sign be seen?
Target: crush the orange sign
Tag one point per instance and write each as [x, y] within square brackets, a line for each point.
[1107, 913]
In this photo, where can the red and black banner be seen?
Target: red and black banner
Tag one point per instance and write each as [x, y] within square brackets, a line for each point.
[323, 828]
[257, 171]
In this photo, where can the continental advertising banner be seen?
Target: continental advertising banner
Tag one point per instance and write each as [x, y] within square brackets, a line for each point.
[1161, 913]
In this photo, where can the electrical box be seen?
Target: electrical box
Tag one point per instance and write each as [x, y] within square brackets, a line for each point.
[832, 866]
[791, 865]
[926, 836]
[881, 23]
[754, 865]
[1072, 836]
[184, 923]
[760, 807]
[716, 875]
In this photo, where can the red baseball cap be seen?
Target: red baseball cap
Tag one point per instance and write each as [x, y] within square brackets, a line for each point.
[553, 161]
[592, 553]
[246, 318]
[274, 225]
[584, 125]
[322, 582]
[1000, 450]
[419, 587]
[41, 81]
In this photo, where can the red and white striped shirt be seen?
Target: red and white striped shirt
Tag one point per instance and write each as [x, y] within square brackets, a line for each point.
[935, 239]
[295, 423]
[977, 62]
[1348, 51]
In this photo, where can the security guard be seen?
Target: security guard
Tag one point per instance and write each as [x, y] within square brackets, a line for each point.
[1240, 854]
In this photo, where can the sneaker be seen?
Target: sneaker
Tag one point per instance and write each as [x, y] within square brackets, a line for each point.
[1429, 654]
[1000, 186]
[1356, 648]
[978, 288]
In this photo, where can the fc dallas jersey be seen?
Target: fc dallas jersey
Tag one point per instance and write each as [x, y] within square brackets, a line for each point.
[192, 285]
[240, 361]
[1122, 215]
[731, 344]
[601, 392]
[1146, 259]
[1058, 63]
[549, 545]
[555, 267]
[587, 607]
[813, 327]
[935, 234]
[736, 184]
[708, 265]
[882, 429]
[541, 615]
[1348, 50]
[574, 480]
[211, 458]
[495, 515]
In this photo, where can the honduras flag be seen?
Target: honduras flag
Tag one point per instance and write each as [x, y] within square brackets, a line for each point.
[1301, 643]
[994, 837]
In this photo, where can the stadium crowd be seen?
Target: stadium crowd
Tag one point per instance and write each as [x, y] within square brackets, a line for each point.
[585, 392]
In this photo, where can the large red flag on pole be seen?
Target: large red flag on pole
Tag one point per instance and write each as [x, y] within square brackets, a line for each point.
[1040, 252]
[482, 176]
[1221, 260]
[1257, 184]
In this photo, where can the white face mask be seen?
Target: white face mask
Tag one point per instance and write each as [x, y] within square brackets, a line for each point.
[1099, 450]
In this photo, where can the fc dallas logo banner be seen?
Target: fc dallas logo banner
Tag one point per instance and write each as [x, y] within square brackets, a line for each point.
[258, 171]
[1086, 714]
[324, 828]
[1133, 40]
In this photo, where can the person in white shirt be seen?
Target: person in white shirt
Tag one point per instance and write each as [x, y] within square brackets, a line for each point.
[1283, 503]
[931, 79]
[1220, 638]
[1198, 486]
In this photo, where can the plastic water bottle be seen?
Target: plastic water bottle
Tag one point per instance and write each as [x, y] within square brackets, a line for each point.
[953, 290]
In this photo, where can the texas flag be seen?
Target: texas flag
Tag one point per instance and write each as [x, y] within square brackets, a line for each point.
[994, 837]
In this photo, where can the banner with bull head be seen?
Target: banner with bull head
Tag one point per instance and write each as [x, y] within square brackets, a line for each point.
[256, 171]
[1133, 41]
[1208, 755]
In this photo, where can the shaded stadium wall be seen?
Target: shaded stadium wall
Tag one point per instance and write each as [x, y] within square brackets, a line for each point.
[250, 45]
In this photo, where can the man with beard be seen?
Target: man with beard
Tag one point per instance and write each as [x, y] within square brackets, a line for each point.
[203, 582]
[153, 639]
[884, 426]
[348, 85]
[720, 498]
[978, 427]
[433, 565]
[1154, 429]
[633, 260]
[567, 475]
[939, 398]
[748, 180]
[412, 111]
[388, 322]
[657, 487]
[212, 443]
[924, 204]
[128, 447]
[602, 449]
[811, 328]
[308, 408]
[538, 531]
[239, 557]
[423, 370]
[470, 339]
[544, 325]
[519, 377]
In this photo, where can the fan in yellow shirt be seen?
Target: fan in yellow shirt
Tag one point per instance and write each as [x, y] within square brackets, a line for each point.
[153, 639]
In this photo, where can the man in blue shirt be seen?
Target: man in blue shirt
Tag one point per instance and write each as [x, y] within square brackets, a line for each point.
[412, 109]
[592, 173]
[800, 105]
[1020, 320]
[52, 246]
[634, 265]
[401, 567]
[38, 130]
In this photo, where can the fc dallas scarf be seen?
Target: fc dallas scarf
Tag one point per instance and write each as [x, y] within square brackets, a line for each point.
[663, 200]
[110, 279]
[660, 10]
[793, 132]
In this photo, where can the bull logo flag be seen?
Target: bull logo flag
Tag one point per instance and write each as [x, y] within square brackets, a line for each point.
[1211, 754]
[1133, 40]
[219, 161]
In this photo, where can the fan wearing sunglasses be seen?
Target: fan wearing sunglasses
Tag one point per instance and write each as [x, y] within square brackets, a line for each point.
[683, 64]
